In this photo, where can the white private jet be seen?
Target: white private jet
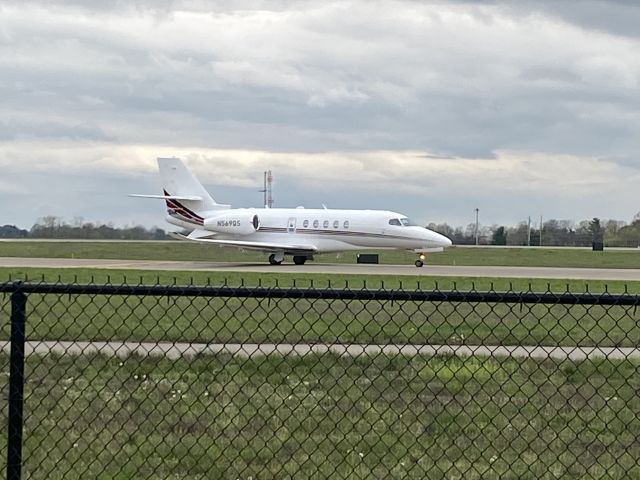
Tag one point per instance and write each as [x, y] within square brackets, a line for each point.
[299, 232]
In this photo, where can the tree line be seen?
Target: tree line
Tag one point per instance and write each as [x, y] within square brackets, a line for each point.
[612, 233]
[56, 227]
[554, 232]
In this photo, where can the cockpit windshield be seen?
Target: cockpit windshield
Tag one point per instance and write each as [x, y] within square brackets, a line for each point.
[404, 221]
[407, 222]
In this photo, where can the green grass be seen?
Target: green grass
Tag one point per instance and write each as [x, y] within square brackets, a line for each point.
[218, 320]
[226, 319]
[543, 257]
[316, 280]
[329, 417]
[326, 416]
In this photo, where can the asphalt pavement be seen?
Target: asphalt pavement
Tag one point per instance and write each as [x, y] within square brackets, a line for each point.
[175, 350]
[326, 268]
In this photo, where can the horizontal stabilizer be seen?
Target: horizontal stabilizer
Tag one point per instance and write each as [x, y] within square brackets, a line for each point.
[192, 198]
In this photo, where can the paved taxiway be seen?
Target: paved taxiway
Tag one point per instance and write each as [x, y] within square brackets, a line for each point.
[343, 269]
[179, 349]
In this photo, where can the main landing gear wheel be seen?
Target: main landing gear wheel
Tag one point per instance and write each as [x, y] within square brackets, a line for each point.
[299, 259]
[273, 260]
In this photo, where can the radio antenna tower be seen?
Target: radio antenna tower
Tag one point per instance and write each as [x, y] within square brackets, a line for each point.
[267, 190]
[264, 190]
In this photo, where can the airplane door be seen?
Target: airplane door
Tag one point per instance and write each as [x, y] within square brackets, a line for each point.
[291, 225]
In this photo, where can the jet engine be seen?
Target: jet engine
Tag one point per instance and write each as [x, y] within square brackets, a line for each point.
[234, 223]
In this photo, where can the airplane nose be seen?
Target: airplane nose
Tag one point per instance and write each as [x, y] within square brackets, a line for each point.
[436, 239]
[446, 242]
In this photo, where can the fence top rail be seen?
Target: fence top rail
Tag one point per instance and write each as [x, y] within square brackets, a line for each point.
[473, 296]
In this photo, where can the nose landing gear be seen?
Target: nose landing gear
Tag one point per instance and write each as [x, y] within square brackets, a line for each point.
[420, 261]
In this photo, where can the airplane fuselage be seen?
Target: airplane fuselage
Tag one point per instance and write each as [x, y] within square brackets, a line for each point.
[326, 230]
[300, 232]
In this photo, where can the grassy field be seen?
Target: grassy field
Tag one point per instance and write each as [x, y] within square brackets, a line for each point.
[329, 417]
[543, 257]
[322, 416]
[303, 280]
[283, 320]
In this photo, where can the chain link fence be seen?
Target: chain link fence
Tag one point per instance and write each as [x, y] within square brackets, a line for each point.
[160, 382]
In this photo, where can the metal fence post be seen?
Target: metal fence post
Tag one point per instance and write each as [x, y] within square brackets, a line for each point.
[16, 384]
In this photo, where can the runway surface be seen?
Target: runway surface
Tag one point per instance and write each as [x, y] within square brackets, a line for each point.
[246, 350]
[341, 269]
[478, 247]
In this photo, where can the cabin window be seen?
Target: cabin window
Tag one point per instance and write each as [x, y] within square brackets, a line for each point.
[395, 221]
[305, 224]
[336, 224]
[316, 223]
[346, 224]
[325, 224]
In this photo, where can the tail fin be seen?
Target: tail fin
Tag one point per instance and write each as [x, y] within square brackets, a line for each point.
[177, 180]
[185, 196]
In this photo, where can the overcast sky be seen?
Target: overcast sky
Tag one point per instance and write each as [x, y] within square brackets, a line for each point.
[427, 108]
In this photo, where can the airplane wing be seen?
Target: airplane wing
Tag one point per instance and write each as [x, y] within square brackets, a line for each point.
[262, 246]
[190, 234]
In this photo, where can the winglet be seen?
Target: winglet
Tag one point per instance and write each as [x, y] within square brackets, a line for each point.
[197, 234]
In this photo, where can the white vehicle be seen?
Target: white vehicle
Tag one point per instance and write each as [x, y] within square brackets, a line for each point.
[299, 232]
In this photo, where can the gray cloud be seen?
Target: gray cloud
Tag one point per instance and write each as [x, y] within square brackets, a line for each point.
[455, 80]
[12, 129]
[620, 17]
